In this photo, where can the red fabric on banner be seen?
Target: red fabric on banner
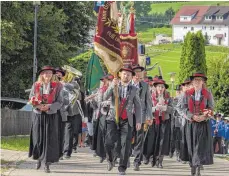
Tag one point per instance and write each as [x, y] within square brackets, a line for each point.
[132, 30]
[129, 49]
[107, 38]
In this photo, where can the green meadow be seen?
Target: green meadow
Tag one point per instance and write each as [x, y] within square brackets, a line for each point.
[162, 7]
[168, 57]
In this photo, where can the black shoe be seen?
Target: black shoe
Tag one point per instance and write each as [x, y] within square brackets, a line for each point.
[128, 163]
[122, 173]
[74, 150]
[109, 166]
[136, 167]
[160, 165]
[193, 171]
[170, 155]
[67, 157]
[146, 162]
[38, 165]
[47, 170]
[101, 160]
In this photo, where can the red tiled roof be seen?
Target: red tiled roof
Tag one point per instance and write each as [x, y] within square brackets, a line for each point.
[196, 20]
[219, 36]
[189, 12]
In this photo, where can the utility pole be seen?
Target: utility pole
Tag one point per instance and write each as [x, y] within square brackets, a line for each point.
[36, 4]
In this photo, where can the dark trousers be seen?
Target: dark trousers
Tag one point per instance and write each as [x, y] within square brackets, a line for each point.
[61, 137]
[100, 149]
[77, 131]
[172, 139]
[177, 139]
[139, 144]
[72, 127]
[61, 128]
[219, 141]
[123, 134]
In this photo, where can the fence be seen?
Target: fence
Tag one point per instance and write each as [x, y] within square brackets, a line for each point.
[14, 122]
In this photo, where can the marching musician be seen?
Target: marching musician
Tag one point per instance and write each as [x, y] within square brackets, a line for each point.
[146, 105]
[176, 124]
[162, 108]
[92, 100]
[46, 99]
[101, 117]
[60, 73]
[198, 107]
[74, 118]
[184, 156]
[128, 96]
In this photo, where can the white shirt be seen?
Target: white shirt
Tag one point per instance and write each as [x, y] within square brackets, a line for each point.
[136, 84]
[46, 89]
[197, 95]
[124, 91]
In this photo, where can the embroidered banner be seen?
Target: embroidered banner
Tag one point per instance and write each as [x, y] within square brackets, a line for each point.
[129, 48]
[107, 39]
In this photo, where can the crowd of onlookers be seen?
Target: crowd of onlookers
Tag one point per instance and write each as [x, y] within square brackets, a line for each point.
[220, 133]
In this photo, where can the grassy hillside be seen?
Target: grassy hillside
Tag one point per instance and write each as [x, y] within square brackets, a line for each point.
[148, 34]
[168, 57]
[162, 7]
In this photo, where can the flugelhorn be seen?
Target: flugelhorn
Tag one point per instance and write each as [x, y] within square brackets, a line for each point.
[71, 73]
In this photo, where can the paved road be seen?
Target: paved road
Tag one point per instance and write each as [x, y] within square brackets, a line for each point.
[84, 164]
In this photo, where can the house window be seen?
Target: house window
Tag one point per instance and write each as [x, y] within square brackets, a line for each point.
[205, 27]
[212, 27]
[185, 18]
[185, 27]
[208, 17]
[219, 17]
[225, 35]
[192, 28]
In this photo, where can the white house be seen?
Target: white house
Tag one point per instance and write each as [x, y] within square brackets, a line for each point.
[213, 21]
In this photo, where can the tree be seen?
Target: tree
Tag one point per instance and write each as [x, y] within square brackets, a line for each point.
[170, 13]
[218, 82]
[223, 101]
[192, 55]
[58, 39]
[142, 7]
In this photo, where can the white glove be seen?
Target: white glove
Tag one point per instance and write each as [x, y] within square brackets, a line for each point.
[85, 119]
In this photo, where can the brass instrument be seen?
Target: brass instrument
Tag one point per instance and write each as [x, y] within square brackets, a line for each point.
[90, 97]
[70, 73]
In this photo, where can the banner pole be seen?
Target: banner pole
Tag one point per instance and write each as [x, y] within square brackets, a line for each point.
[116, 101]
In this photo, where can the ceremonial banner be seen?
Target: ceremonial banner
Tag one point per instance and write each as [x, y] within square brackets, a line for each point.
[107, 39]
[93, 74]
[129, 48]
